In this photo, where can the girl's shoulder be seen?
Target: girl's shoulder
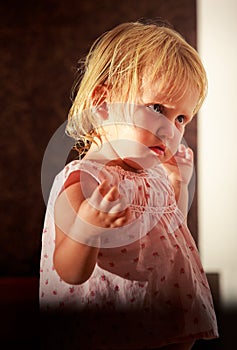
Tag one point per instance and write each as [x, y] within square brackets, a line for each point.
[71, 173]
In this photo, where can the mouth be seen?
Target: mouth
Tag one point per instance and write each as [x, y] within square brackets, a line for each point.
[158, 150]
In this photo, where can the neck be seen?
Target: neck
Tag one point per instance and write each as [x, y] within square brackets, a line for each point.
[107, 154]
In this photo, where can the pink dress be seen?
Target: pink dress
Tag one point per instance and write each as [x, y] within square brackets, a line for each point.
[148, 287]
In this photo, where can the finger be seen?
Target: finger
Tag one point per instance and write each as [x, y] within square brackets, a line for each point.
[98, 194]
[189, 154]
[119, 222]
[120, 206]
[181, 148]
[104, 187]
[123, 219]
[112, 194]
[113, 202]
[184, 152]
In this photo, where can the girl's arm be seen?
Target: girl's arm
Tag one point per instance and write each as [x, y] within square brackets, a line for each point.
[75, 261]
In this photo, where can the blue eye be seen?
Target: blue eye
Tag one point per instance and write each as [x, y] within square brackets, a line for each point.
[156, 107]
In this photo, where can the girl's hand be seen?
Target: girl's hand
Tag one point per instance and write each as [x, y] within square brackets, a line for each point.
[180, 166]
[180, 169]
[105, 208]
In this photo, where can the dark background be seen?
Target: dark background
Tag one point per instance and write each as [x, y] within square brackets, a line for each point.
[41, 44]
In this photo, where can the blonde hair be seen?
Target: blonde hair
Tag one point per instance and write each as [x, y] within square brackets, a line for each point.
[119, 59]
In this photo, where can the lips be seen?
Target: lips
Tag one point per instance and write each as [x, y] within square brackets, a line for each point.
[159, 150]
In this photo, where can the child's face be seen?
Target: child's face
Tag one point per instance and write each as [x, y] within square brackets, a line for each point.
[156, 126]
[159, 123]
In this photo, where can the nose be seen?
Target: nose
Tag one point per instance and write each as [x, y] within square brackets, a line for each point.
[166, 129]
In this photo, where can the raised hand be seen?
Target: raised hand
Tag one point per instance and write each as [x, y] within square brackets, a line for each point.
[180, 166]
[106, 207]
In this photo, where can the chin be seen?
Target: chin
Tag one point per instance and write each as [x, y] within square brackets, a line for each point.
[166, 158]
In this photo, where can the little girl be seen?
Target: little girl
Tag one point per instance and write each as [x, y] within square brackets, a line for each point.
[119, 267]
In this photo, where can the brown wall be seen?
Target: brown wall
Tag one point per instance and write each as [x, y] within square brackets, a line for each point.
[42, 41]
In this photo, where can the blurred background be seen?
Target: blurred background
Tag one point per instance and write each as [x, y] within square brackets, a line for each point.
[42, 42]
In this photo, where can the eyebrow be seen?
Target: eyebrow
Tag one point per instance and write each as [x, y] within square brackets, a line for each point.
[187, 115]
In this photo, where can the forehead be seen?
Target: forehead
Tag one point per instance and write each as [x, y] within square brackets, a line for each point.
[157, 91]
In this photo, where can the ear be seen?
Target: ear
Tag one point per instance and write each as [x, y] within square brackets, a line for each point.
[99, 95]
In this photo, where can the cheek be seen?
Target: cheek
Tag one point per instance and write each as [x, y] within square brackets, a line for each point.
[136, 133]
[175, 142]
[179, 138]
